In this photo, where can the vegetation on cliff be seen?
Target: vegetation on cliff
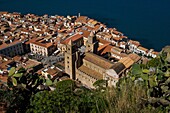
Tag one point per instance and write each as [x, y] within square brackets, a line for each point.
[145, 89]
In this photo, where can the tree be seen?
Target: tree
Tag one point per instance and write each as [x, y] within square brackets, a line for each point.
[67, 97]
[21, 86]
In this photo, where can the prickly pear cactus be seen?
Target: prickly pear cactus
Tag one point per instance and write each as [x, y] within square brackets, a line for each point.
[156, 77]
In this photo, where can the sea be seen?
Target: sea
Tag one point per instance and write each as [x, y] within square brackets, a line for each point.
[147, 21]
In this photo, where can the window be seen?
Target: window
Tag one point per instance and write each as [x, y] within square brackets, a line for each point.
[67, 66]
[67, 57]
[68, 62]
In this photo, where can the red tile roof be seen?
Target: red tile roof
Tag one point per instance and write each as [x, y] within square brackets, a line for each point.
[102, 41]
[143, 48]
[73, 38]
[134, 57]
[97, 60]
[4, 45]
[86, 33]
[47, 45]
[107, 49]
[82, 19]
[4, 12]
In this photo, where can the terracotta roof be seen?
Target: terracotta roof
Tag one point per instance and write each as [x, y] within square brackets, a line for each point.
[4, 45]
[134, 57]
[90, 20]
[24, 30]
[17, 58]
[119, 67]
[39, 72]
[103, 46]
[73, 38]
[120, 55]
[52, 71]
[96, 28]
[116, 49]
[86, 33]
[4, 56]
[102, 41]
[3, 12]
[122, 43]
[135, 42]
[156, 53]
[90, 28]
[47, 45]
[90, 72]
[4, 64]
[82, 19]
[127, 61]
[39, 32]
[108, 36]
[99, 61]
[62, 31]
[122, 37]
[116, 32]
[31, 63]
[142, 48]
[31, 40]
[94, 22]
[116, 38]
[105, 49]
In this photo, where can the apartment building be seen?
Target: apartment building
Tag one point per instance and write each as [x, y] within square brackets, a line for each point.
[11, 48]
[43, 47]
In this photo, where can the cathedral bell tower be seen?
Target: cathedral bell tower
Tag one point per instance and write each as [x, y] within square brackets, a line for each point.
[92, 43]
[70, 59]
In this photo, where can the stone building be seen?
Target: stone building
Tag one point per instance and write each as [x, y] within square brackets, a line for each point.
[92, 43]
[90, 67]
[96, 68]
[70, 59]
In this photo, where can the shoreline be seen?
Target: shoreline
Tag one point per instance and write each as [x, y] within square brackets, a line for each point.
[102, 20]
[113, 32]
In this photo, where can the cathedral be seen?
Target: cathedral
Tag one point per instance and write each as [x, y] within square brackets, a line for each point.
[89, 66]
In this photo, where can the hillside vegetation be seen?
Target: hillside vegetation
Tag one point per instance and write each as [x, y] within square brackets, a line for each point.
[146, 89]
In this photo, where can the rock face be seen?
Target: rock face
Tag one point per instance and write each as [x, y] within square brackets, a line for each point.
[166, 50]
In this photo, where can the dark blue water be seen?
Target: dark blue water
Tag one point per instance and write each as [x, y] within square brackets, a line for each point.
[147, 21]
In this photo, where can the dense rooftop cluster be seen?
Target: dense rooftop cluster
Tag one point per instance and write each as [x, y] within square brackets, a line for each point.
[46, 35]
